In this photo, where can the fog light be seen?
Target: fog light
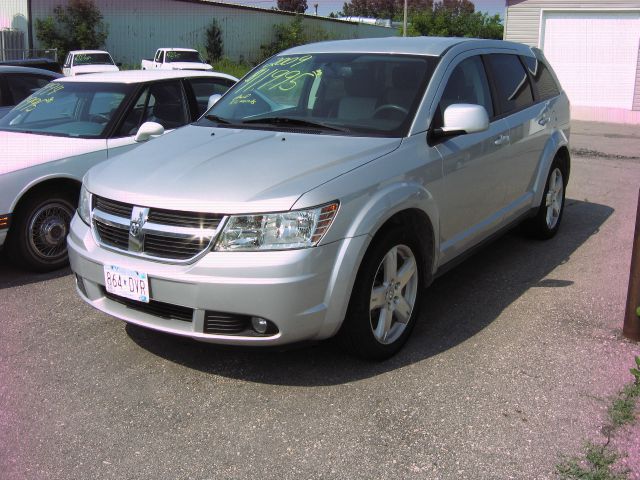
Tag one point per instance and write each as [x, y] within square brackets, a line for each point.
[260, 325]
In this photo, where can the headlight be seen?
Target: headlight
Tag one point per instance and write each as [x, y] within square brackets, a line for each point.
[84, 205]
[277, 231]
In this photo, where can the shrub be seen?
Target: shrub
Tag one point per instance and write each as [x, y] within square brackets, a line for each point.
[214, 44]
[77, 26]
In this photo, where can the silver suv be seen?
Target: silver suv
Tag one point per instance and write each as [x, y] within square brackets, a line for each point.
[325, 191]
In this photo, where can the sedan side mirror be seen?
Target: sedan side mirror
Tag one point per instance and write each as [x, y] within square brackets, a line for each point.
[464, 118]
[148, 130]
[213, 99]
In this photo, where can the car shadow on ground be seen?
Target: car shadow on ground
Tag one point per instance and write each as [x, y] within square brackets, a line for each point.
[12, 276]
[457, 306]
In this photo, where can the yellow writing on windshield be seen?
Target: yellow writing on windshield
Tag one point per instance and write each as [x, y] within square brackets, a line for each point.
[273, 75]
[45, 95]
[243, 99]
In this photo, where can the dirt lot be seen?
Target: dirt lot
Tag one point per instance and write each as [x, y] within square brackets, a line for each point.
[513, 364]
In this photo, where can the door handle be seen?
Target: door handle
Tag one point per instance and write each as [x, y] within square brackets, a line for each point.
[501, 140]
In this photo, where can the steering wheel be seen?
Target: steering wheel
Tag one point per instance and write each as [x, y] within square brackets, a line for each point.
[390, 106]
[98, 118]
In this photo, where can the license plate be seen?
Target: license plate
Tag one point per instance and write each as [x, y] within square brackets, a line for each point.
[126, 283]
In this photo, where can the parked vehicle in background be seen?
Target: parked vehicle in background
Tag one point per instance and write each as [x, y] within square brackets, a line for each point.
[175, 59]
[42, 63]
[55, 135]
[325, 191]
[81, 62]
[17, 83]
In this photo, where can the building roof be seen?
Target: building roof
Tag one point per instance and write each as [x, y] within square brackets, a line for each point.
[430, 46]
[141, 76]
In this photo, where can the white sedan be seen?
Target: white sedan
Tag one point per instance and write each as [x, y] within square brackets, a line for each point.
[50, 140]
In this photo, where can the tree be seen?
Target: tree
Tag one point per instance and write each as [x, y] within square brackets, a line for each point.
[214, 44]
[296, 6]
[455, 18]
[77, 26]
[288, 35]
[383, 8]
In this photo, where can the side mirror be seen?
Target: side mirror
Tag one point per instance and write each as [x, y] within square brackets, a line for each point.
[119, 64]
[464, 118]
[213, 99]
[148, 130]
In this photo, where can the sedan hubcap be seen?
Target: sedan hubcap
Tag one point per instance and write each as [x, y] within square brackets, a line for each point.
[393, 294]
[48, 231]
[554, 198]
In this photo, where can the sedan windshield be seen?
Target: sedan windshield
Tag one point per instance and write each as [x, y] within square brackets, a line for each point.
[70, 109]
[353, 94]
[181, 56]
[92, 59]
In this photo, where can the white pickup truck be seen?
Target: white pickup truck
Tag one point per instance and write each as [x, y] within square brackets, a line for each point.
[176, 59]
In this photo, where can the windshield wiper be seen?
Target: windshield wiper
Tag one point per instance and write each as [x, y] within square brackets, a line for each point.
[294, 122]
[217, 119]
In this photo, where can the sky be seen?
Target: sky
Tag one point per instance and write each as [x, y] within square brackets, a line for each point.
[327, 6]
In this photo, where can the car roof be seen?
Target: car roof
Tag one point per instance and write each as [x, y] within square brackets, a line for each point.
[429, 46]
[141, 76]
[87, 51]
[35, 71]
[178, 49]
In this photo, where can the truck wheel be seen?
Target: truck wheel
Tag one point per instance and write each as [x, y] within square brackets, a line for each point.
[547, 220]
[385, 301]
[38, 235]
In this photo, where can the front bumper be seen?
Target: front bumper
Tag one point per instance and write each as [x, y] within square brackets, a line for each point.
[303, 292]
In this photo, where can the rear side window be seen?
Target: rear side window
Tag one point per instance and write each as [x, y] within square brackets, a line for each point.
[511, 81]
[21, 86]
[543, 81]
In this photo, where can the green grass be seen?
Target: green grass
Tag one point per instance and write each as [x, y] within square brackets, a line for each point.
[597, 464]
[598, 461]
[230, 67]
[622, 410]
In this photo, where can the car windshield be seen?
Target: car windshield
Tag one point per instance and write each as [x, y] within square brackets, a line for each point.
[69, 109]
[181, 56]
[92, 59]
[354, 94]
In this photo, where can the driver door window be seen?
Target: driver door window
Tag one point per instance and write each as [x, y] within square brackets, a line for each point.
[467, 84]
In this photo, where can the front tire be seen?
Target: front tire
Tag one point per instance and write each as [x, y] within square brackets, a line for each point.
[385, 301]
[38, 236]
[546, 223]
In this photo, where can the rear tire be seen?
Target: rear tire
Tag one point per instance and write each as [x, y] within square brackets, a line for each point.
[546, 222]
[385, 301]
[37, 238]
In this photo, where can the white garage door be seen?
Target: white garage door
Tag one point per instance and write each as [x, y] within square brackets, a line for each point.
[595, 55]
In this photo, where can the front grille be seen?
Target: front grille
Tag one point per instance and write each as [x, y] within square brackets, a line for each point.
[113, 236]
[164, 234]
[185, 219]
[225, 323]
[155, 308]
[119, 209]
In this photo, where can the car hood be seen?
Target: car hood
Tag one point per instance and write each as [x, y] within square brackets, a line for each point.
[190, 66]
[24, 150]
[83, 69]
[225, 170]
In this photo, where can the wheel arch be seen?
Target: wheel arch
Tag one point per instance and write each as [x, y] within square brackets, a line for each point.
[557, 147]
[58, 183]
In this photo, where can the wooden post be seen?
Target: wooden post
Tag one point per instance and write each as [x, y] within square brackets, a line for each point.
[631, 328]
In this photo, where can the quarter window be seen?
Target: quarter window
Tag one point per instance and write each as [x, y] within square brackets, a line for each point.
[511, 81]
[467, 84]
[203, 88]
[542, 79]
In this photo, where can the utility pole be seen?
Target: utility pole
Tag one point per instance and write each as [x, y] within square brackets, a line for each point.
[631, 328]
[404, 23]
[315, 6]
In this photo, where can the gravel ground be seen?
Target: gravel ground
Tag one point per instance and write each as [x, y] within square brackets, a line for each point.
[514, 363]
